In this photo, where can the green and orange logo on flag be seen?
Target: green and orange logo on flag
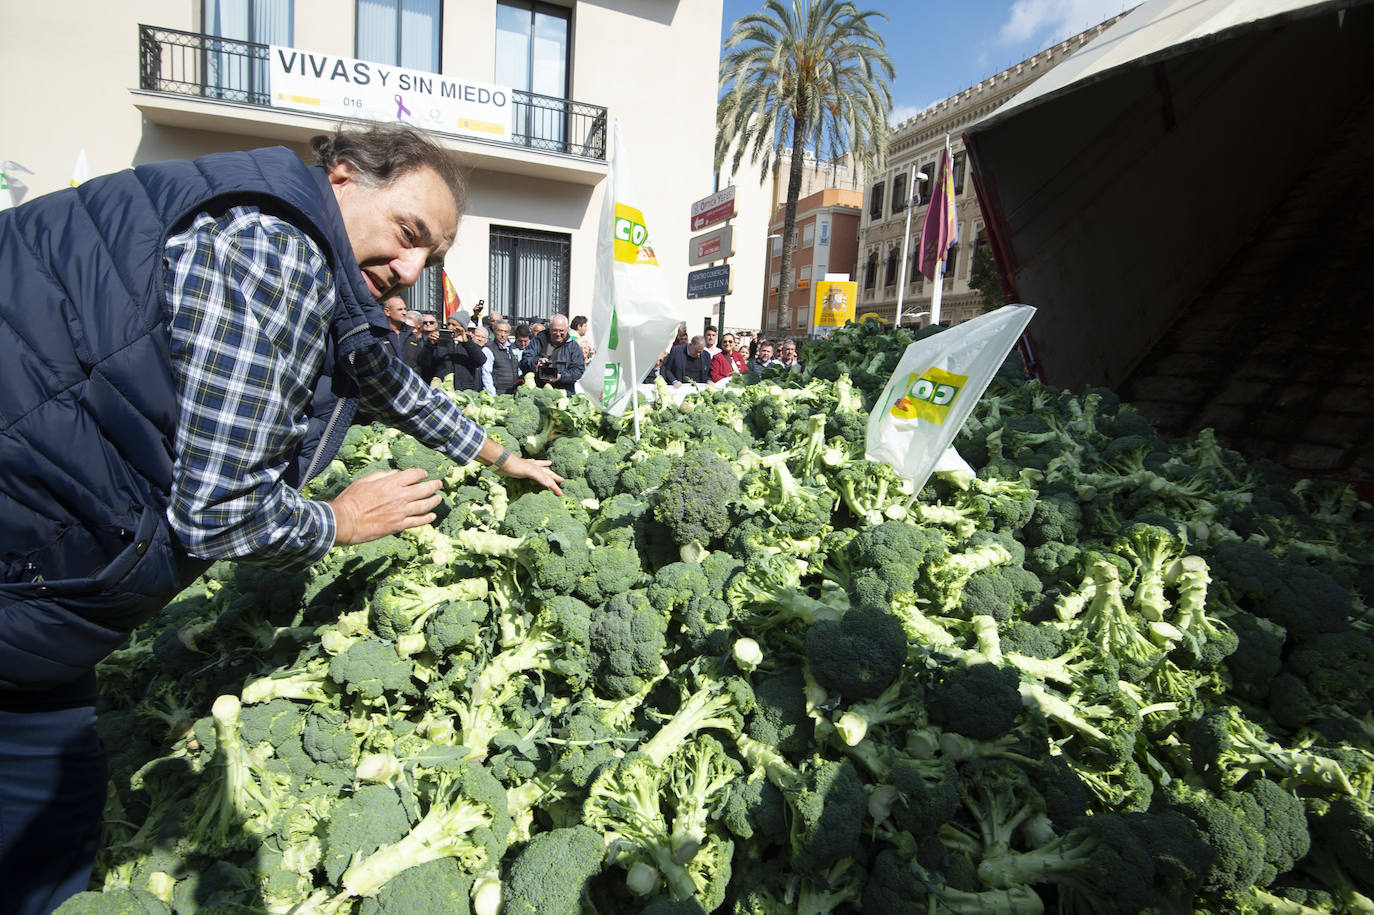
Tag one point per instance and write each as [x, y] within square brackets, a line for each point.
[928, 396]
[631, 237]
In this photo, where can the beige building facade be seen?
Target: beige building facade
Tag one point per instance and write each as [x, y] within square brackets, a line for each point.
[914, 148]
[147, 80]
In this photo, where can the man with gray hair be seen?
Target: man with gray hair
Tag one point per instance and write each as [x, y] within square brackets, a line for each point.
[181, 410]
[554, 357]
[503, 368]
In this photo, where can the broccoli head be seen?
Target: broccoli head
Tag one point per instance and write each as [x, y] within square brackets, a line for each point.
[695, 497]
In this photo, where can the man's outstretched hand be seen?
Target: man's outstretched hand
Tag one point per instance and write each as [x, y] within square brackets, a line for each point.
[383, 503]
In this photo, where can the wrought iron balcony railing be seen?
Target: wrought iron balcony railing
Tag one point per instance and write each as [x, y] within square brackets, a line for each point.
[224, 69]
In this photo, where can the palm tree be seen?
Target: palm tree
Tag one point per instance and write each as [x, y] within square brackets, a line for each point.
[812, 72]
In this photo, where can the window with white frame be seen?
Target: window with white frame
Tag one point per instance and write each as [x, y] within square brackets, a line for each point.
[236, 76]
[825, 232]
[804, 277]
[403, 33]
[808, 235]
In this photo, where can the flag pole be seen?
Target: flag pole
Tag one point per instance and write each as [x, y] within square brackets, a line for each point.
[906, 240]
[935, 293]
[634, 392]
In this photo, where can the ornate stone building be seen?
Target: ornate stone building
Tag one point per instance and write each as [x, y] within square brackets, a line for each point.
[916, 144]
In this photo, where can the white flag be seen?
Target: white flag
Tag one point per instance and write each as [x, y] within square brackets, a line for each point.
[935, 387]
[12, 190]
[81, 172]
[633, 317]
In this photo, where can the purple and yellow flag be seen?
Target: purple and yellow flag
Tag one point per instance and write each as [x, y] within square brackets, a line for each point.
[941, 226]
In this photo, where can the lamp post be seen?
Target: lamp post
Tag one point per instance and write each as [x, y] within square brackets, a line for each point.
[906, 238]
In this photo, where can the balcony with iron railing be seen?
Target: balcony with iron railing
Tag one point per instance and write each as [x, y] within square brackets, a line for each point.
[175, 66]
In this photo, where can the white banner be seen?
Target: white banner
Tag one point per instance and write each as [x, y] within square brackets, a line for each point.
[935, 387]
[351, 88]
[633, 317]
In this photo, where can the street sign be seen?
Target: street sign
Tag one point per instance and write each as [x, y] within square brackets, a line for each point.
[714, 245]
[708, 211]
[713, 281]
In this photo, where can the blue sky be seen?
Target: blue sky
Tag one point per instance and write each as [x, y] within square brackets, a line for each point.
[942, 48]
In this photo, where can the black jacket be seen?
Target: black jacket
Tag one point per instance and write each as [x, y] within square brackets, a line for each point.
[679, 366]
[461, 359]
[566, 357]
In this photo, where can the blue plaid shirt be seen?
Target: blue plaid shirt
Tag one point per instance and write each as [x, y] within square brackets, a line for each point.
[250, 301]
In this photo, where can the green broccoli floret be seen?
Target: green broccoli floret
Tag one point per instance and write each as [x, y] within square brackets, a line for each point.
[549, 875]
[1237, 848]
[981, 701]
[456, 625]
[371, 817]
[328, 740]
[399, 606]
[615, 568]
[370, 668]
[887, 559]
[1055, 563]
[1346, 830]
[464, 818]
[1100, 866]
[1225, 748]
[535, 511]
[927, 795]
[1001, 593]
[829, 814]
[643, 471]
[858, 655]
[1258, 657]
[406, 453]
[603, 468]
[1031, 640]
[1056, 519]
[780, 718]
[555, 558]
[1279, 816]
[627, 637]
[695, 497]
[1180, 855]
[124, 901]
[898, 885]
[755, 810]
[439, 887]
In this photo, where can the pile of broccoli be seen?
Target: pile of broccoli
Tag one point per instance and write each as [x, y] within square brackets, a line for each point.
[739, 668]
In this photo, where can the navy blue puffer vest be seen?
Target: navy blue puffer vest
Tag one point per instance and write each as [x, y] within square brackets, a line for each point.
[88, 406]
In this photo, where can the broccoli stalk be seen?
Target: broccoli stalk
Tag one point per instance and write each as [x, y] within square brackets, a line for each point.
[458, 806]
[1107, 622]
[699, 775]
[1225, 748]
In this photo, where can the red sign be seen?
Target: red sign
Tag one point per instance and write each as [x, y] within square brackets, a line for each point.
[708, 211]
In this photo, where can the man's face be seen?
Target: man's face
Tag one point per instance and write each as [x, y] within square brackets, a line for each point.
[765, 352]
[522, 340]
[558, 331]
[694, 349]
[395, 310]
[710, 338]
[429, 325]
[398, 229]
[502, 332]
[479, 335]
[788, 352]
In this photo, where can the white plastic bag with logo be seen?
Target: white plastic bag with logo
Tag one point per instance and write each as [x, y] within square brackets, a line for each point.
[935, 388]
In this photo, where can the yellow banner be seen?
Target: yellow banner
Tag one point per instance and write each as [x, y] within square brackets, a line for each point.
[835, 301]
[929, 395]
[631, 238]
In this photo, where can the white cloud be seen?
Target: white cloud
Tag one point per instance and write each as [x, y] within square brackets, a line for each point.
[1047, 21]
[901, 112]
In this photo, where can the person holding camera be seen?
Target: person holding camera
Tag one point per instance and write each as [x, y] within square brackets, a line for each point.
[554, 357]
[451, 352]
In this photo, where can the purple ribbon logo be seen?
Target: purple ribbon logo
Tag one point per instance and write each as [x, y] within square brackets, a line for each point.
[401, 108]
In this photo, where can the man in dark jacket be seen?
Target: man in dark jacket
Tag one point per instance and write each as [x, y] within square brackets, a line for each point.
[687, 362]
[457, 356]
[178, 413]
[554, 357]
[504, 367]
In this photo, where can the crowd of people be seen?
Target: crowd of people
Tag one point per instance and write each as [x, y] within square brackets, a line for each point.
[485, 353]
[699, 359]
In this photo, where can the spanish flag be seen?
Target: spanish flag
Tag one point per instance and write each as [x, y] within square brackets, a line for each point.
[451, 301]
